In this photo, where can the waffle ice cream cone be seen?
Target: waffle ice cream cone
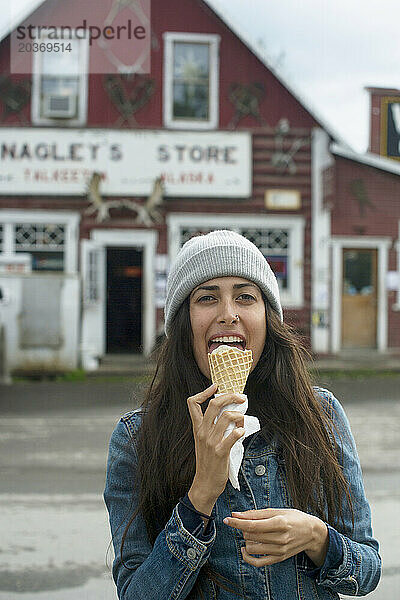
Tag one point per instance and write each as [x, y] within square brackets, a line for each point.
[230, 368]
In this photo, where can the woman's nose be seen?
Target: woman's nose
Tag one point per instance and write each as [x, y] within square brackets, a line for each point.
[227, 314]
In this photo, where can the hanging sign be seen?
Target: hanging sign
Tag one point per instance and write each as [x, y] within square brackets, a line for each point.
[279, 199]
[62, 161]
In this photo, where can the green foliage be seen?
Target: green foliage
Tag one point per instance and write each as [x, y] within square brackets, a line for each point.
[352, 373]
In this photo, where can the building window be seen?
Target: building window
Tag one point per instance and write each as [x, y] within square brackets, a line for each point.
[59, 94]
[280, 239]
[274, 244]
[188, 232]
[50, 242]
[45, 244]
[42, 236]
[191, 80]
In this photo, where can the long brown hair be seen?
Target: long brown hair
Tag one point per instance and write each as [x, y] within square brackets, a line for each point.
[282, 397]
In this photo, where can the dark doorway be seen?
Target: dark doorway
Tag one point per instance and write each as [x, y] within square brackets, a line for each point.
[124, 300]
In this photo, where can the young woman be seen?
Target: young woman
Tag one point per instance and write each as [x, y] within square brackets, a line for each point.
[299, 527]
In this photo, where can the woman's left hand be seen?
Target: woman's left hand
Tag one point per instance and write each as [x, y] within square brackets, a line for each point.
[279, 533]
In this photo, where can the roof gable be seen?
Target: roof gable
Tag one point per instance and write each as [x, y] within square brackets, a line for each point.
[238, 31]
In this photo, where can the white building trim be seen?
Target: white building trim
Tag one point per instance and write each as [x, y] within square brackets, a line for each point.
[146, 241]
[321, 231]
[195, 38]
[396, 306]
[292, 298]
[70, 219]
[382, 244]
[368, 159]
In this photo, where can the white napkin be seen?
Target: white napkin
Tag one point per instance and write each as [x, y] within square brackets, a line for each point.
[251, 425]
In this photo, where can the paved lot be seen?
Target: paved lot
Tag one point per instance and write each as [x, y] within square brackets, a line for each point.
[53, 445]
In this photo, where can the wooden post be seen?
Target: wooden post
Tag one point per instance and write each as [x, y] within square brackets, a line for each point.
[5, 378]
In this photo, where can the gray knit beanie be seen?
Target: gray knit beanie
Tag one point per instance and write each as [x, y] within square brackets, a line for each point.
[220, 253]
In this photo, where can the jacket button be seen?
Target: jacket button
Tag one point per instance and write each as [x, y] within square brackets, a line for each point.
[260, 470]
[191, 553]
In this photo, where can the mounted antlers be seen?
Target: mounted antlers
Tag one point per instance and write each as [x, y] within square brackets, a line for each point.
[147, 213]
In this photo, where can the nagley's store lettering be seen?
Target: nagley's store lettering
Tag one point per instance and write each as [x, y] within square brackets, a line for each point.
[195, 164]
[43, 151]
[77, 152]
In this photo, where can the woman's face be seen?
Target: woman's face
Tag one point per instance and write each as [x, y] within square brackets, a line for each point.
[213, 306]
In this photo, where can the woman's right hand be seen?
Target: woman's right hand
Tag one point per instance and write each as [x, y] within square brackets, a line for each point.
[211, 448]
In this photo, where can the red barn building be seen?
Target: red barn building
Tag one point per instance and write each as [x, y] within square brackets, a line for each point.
[356, 238]
[107, 167]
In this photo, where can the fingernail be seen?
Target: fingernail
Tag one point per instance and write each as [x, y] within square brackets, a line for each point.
[226, 520]
[236, 513]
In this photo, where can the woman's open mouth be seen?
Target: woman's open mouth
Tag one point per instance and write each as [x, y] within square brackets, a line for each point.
[228, 340]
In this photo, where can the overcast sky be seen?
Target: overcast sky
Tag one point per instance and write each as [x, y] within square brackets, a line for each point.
[327, 50]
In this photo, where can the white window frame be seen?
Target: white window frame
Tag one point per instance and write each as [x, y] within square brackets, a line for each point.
[293, 297]
[396, 306]
[382, 245]
[70, 220]
[213, 40]
[81, 119]
[145, 241]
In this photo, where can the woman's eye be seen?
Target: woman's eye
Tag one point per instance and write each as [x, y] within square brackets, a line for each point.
[205, 298]
[246, 297]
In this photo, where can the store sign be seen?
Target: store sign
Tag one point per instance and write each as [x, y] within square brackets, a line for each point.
[15, 263]
[60, 161]
[277, 199]
[390, 134]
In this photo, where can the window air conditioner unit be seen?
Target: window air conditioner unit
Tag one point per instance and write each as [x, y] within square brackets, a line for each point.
[59, 107]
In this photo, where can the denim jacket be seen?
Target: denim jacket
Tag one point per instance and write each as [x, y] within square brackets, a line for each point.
[169, 568]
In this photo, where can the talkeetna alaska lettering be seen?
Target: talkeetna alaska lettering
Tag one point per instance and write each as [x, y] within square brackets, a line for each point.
[61, 175]
[42, 151]
[197, 177]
